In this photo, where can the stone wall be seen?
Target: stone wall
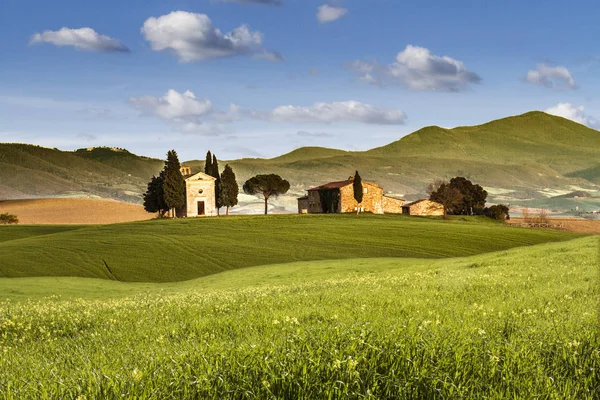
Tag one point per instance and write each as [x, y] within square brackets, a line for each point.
[424, 208]
[392, 205]
[200, 189]
[372, 195]
[314, 202]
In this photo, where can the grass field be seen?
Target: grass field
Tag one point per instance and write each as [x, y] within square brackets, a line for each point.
[175, 250]
[516, 323]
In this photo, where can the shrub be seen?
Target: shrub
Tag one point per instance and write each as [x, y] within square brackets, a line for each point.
[498, 212]
[6, 219]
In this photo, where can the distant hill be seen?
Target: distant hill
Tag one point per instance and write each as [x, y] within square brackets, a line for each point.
[28, 171]
[529, 156]
[520, 154]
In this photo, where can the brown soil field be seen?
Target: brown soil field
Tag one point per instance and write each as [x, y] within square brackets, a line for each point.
[570, 224]
[73, 211]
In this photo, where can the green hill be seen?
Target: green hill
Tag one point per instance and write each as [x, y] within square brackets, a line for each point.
[174, 250]
[34, 171]
[530, 153]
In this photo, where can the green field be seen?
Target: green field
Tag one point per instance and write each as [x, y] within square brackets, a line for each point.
[514, 323]
[176, 250]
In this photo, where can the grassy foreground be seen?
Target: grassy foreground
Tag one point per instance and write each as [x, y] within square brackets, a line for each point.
[521, 323]
[167, 250]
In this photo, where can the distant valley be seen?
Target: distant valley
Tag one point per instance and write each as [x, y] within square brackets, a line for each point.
[534, 159]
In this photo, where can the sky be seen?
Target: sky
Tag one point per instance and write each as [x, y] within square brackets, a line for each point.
[259, 78]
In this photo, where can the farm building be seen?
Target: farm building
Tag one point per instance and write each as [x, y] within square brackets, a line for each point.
[423, 208]
[199, 194]
[338, 197]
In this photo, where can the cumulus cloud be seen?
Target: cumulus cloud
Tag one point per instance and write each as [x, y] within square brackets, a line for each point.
[82, 38]
[417, 69]
[327, 13]
[551, 76]
[192, 37]
[574, 113]
[263, 2]
[338, 111]
[173, 105]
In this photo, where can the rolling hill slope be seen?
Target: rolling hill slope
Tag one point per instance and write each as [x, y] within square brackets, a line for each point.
[175, 250]
[519, 157]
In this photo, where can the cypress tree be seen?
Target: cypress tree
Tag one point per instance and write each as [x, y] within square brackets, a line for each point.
[154, 200]
[215, 174]
[208, 170]
[358, 190]
[174, 184]
[229, 188]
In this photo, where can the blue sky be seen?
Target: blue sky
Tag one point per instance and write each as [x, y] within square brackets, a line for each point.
[246, 79]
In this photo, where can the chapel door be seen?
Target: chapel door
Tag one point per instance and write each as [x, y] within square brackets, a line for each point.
[201, 210]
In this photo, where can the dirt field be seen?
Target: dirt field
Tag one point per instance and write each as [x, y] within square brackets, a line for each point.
[73, 211]
[573, 225]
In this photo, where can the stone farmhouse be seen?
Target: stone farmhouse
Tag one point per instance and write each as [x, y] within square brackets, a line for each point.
[199, 194]
[423, 207]
[339, 198]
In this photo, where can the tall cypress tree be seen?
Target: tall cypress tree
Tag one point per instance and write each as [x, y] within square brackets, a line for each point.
[215, 174]
[208, 169]
[229, 188]
[358, 190]
[174, 184]
[154, 199]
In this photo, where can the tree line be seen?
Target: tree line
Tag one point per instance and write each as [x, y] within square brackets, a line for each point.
[166, 192]
[460, 196]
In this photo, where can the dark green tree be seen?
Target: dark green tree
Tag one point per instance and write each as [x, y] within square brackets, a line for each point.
[154, 200]
[208, 164]
[474, 196]
[441, 192]
[266, 186]
[8, 219]
[498, 212]
[229, 189]
[215, 174]
[173, 184]
[358, 190]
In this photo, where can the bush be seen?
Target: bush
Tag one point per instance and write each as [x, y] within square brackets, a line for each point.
[498, 212]
[6, 219]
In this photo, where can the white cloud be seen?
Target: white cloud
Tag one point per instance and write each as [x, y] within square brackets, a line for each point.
[418, 69]
[551, 76]
[82, 38]
[577, 114]
[173, 105]
[201, 129]
[327, 13]
[337, 111]
[192, 37]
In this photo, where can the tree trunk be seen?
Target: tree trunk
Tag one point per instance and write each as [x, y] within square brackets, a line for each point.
[218, 211]
[357, 209]
[227, 211]
[266, 202]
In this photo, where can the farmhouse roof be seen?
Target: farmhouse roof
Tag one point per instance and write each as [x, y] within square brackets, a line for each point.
[303, 198]
[340, 184]
[333, 185]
